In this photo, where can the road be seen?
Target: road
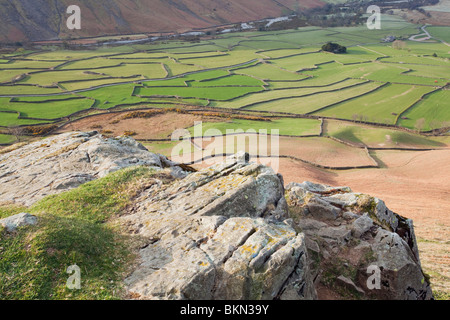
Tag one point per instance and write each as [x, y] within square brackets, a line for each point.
[425, 35]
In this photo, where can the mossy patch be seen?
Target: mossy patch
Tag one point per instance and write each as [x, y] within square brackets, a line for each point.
[75, 227]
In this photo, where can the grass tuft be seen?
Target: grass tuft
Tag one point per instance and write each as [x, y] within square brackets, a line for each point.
[75, 227]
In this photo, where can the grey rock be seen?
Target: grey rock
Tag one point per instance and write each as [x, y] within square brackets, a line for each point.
[391, 243]
[361, 225]
[401, 275]
[322, 210]
[318, 188]
[63, 162]
[19, 220]
[220, 234]
[348, 215]
[312, 225]
[342, 199]
[349, 284]
[385, 215]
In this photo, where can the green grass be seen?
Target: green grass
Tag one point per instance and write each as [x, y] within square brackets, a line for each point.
[429, 71]
[65, 55]
[382, 105]
[91, 84]
[279, 53]
[5, 139]
[147, 70]
[75, 227]
[49, 110]
[213, 93]
[10, 210]
[268, 71]
[27, 90]
[107, 98]
[311, 103]
[23, 64]
[47, 78]
[91, 64]
[232, 80]
[235, 57]
[306, 61]
[377, 137]
[267, 44]
[176, 68]
[11, 119]
[8, 75]
[294, 127]
[434, 108]
[440, 33]
[165, 148]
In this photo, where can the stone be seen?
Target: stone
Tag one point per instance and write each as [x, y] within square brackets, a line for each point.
[368, 233]
[361, 225]
[401, 275]
[230, 231]
[341, 234]
[219, 233]
[19, 220]
[348, 215]
[318, 188]
[66, 161]
[349, 284]
[322, 210]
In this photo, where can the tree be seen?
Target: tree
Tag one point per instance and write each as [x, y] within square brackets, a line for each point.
[334, 48]
[399, 45]
[17, 132]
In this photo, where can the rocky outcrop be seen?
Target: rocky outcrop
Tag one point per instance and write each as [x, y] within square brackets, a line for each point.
[220, 233]
[358, 235]
[230, 231]
[66, 161]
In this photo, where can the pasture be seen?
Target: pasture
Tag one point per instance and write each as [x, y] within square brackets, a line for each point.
[339, 115]
[259, 72]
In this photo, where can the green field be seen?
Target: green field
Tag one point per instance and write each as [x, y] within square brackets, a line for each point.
[276, 71]
[434, 109]
[441, 33]
[382, 105]
[291, 127]
[364, 135]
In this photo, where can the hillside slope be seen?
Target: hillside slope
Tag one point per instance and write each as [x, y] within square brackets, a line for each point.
[46, 20]
[140, 227]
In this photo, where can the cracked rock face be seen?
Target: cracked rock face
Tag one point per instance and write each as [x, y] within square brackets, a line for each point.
[220, 233]
[350, 232]
[230, 231]
[66, 161]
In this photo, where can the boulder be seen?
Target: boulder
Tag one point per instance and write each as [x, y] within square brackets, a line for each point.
[16, 221]
[230, 231]
[349, 284]
[401, 275]
[63, 162]
[354, 232]
[220, 233]
[361, 225]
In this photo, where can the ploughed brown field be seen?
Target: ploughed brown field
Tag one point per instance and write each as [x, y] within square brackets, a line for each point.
[415, 184]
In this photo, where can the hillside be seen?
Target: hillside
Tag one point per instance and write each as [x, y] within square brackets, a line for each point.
[46, 20]
[138, 226]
